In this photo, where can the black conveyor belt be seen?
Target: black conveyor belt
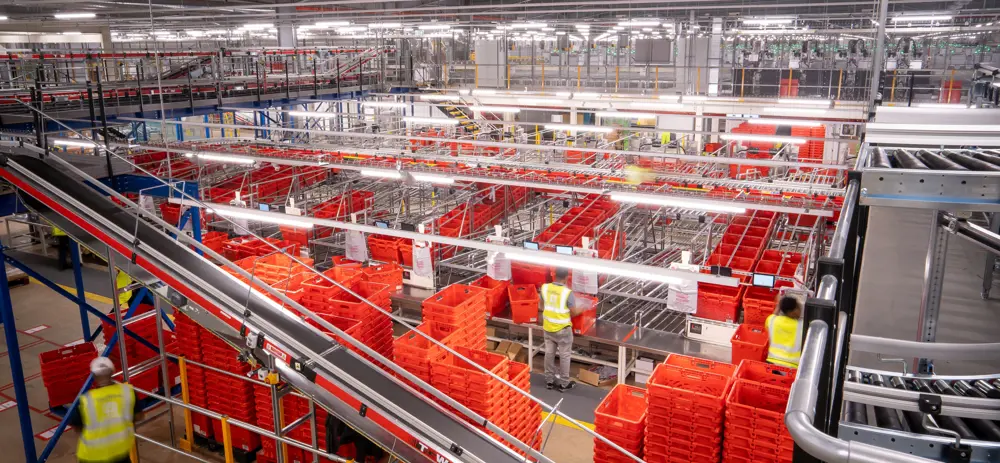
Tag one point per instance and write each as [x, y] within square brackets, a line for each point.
[287, 327]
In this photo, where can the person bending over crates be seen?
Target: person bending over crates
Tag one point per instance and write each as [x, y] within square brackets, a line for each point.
[784, 330]
[559, 308]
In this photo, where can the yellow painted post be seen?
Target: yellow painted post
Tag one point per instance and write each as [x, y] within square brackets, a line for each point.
[538, 136]
[133, 454]
[578, 77]
[743, 80]
[281, 423]
[616, 78]
[433, 198]
[951, 86]
[840, 81]
[185, 444]
[892, 93]
[697, 87]
[550, 214]
[656, 84]
[227, 440]
[508, 77]
[477, 75]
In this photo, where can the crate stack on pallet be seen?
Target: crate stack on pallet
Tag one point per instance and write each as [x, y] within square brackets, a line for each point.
[65, 370]
[188, 344]
[741, 245]
[525, 416]
[755, 415]
[415, 353]
[686, 400]
[459, 309]
[621, 418]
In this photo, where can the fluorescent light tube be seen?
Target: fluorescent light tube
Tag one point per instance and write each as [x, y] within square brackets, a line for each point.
[693, 98]
[385, 25]
[791, 122]
[434, 27]
[640, 22]
[674, 98]
[431, 120]
[761, 138]
[647, 105]
[795, 111]
[3, 18]
[440, 97]
[75, 15]
[432, 179]
[943, 106]
[496, 109]
[383, 104]
[584, 95]
[564, 94]
[905, 18]
[551, 259]
[767, 21]
[225, 158]
[666, 201]
[81, 143]
[72, 33]
[803, 101]
[273, 217]
[933, 127]
[530, 25]
[579, 128]
[540, 101]
[484, 91]
[625, 114]
[333, 24]
[311, 114]
[256, 27]
[382, 173]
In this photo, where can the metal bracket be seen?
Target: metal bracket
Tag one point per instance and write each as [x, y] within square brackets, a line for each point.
[958, 453]
[456, 449]
[363, 410]
[930, 404]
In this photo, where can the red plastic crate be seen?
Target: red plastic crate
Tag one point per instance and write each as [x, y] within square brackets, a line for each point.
[586, 319]
[699, 364]
[766, 373]
[688, 390]
[622, 414]
[749, 342]
[716, 302]
[524, 301]
[457, 299]
[759, 406]
[528, 274]
[388, 274]
[496, 294]
[241, 438]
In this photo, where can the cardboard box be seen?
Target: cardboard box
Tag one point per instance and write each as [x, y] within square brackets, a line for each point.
[641, 378]
[644, 365]
[491, 332]
[594, 379]
[492, 346]
[513, 350]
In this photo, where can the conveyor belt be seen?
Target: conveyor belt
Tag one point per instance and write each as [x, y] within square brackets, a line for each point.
[347, 376]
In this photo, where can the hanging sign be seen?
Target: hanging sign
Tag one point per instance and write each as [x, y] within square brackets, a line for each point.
[357, 247]
[585, 281]
[423, 264]
[683, 297]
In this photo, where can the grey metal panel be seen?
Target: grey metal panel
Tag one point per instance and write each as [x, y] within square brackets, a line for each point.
[921, 445]
[937, 190]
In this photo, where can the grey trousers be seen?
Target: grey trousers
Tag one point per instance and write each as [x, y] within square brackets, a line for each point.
[559, 343]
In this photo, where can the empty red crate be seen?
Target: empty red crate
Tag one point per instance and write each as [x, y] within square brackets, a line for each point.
[586, 319]
[688, 390]
[390, 274]
[523, 303]
[621, 416]
[457, 299]
[766, 373]
[528, 274]
[717, 302]
[749, 342]
[699, 364]
[67, 363]
[496, 294]
[758, 406]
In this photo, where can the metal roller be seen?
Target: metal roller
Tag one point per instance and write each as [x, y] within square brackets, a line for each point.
[989, 391]
[969, 162]
[887, 418]
[986, 157]
[880, 159]
[856, 412]
[905, 160]
[949, 422]
[937, 162]
[914, 419]
[986, 430]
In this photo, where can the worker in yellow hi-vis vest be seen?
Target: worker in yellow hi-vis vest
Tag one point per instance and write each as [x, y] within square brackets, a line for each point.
[62, 248]
[784, 329]
[121, 282]
[558, 311]
[105, 417]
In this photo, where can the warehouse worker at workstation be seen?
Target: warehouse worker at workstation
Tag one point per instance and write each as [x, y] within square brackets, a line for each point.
[558, 311]
[784, 329]
[105, 417]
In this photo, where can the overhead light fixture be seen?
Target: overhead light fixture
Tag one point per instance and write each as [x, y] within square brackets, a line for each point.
[223, 158]
[431, 120]
[541, 101]
[918, 18]
[583, 26]
[674, 98]
[761, 138]
[791, 122]
[943, 105]
[550, 259]
[560, 32]
[80, 143]
[440, 97]
[666, 201]
[311, 114]
[694, 98]
[385, 25]
[333, 24]
[579, 128]
[257, 27]
[434, 27]
[75, 15]
[269, 217]
[72, 33]
[640, 23]
[3, 18]
[804, 101]
[496, 109]
[383, 104]
[432, 179]
[767, 21]
[796, 111]
[395, 174]
[529, 25]
[664, 106]
[484, 92]
[584, 95]
[625, 114]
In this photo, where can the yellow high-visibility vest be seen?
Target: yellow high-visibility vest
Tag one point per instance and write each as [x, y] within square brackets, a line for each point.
[56, 231]
[108, 431]
[556, 314]
[785, 334]
[121, 281]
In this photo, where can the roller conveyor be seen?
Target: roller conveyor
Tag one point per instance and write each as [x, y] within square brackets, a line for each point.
[938, 162]
[410, 418]
[962, 180]
[905, 160]
[984, 429]
[856, 412]
[884, 417]
[950, 422]
[880, 159]
[970, 162]
[915, 420]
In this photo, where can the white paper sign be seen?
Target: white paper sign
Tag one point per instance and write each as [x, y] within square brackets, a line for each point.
[147, 204]
[423, 265]
[357, 248]
[585, 282]
[497, 266]
[683, 297]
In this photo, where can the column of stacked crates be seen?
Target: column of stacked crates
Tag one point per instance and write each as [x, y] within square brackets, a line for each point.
[459, 309]
[741, 245]
[621, 418]
[480, 392]
[189, 338]
[228, 395]
[293, 407]
[755, 415]
[686, 400]
[65, 370]
[415, 353]
[525, 417]
[754, 150]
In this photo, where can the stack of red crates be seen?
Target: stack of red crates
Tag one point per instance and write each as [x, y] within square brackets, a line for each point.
[137, 352]
[214, 240]
[279, 271]
[326, 299]
[459, 309]
[241, 248]
[621, 418]
[65, 370]
[226, 394]
[189, 337]
[755, 150]
[755, 415]
[812, 150]
[480, 392]
[496, 294]
[293, 407]
[686, 405]
[415, 353]
[741, 245]
[384, 248]
[525, 416]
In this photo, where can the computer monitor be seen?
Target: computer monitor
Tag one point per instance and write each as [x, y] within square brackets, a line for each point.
[568, 250]
[382, 224]
[264, 207]
[763, 280]
[408, 227]
[531, 245]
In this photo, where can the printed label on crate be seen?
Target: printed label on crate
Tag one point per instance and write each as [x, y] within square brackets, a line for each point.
[48, 433]
[683, 297]
[35, 329]
[7, 405]
[585, 281]
[357, 247]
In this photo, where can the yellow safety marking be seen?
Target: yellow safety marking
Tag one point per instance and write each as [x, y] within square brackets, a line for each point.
[227, 440]
[185, 444]
[72, 290]
[564, 422]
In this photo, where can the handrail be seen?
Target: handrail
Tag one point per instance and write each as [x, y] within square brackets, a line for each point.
[938, 350]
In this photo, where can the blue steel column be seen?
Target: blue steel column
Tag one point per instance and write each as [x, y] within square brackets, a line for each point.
[74, 252]
[16, 372]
